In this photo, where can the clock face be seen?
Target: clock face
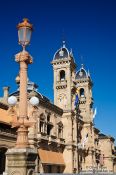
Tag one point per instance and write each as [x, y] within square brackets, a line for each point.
[62, 100]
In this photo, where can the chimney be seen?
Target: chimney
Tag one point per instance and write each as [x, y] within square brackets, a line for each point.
[6, 92]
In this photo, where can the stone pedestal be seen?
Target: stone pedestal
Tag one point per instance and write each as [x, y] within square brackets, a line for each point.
[21, 161]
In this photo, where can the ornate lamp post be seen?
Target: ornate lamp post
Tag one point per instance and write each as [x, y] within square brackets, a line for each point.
[23, 58]
[21, 158]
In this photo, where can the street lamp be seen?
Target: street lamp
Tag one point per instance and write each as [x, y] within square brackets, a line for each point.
[12, 100]
[24, 33]
[21, 158]
[23, 58]
[34, 101]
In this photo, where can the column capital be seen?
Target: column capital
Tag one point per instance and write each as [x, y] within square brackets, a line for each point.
[23, 56]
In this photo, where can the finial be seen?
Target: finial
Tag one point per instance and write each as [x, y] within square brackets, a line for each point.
[88, 73]
[81, 58]
[63, 44]
[61, 53]
[27, 79]
[82, 66]
[25, 23]
[71, 52]
[17, 79]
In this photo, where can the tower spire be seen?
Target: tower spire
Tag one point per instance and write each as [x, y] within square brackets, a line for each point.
[82, 62]
[82, 65]
[63, 44]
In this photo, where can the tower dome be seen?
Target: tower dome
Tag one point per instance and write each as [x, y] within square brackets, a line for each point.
[62, 53]
[81, 73]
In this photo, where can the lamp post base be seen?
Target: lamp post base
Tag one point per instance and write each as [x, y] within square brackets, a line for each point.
[21, 161]
[22, 137]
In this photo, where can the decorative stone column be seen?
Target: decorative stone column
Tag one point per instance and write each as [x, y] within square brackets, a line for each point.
[21, 158]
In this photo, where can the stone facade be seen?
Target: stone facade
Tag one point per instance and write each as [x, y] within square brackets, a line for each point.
[84, 146]
[7, 135]
[64, 135]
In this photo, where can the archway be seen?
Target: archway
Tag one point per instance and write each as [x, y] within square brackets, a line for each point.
[82, 93]
[62, 75]
[2, 159]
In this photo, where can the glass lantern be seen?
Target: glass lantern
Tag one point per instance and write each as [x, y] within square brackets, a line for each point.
[24, 32]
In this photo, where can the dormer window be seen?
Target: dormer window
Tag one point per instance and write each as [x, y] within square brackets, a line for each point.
[82, 93]
[61, 53]
[81, 73]
[62, 75]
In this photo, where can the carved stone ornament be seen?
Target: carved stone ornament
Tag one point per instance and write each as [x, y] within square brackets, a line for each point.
[25, 122]
[16, 173]
[23, 56]
[12, 111]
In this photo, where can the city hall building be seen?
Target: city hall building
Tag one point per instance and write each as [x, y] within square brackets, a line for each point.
[64, 135]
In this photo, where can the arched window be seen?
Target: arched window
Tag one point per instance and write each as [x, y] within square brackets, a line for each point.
[42, 123]
[60, 130]
[82, 93]
[48, 118]
[49, 124]
[62, 75]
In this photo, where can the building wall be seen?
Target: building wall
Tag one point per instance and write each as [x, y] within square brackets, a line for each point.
[64, 129]
[88, 156]
[106, 147]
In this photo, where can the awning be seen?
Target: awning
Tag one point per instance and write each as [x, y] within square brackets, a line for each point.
[50, 157]
[5, 117]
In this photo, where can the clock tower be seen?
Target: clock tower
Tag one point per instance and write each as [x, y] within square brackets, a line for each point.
[64, 82]
[64, 75]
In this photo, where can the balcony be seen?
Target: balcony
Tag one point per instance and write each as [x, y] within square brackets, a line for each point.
[62, 140]
[54, 139]
[42, 136]
[82, 100]
[61, 84]
[8, 132]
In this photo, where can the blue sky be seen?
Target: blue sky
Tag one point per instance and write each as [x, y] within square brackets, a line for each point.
[89, 28]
